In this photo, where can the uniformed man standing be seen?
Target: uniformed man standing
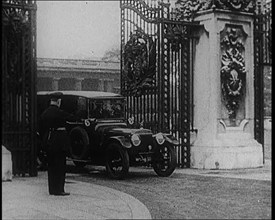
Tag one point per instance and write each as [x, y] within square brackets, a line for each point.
[53, 121]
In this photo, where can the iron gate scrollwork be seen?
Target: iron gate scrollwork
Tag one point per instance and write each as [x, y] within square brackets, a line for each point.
[139, 62]
[18, 84]
[156, 67]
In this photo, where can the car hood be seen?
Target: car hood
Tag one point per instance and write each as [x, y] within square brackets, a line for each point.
[120, 129]
[131, 131]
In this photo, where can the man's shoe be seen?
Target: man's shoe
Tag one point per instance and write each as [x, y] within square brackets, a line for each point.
[62, 194]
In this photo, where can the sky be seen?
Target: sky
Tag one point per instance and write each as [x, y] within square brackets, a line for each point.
[77, 29]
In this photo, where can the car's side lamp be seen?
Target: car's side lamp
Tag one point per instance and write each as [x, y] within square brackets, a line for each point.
[88, 122]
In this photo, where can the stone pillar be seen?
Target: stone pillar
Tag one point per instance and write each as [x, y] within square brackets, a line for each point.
[6, 164]
[101, 85]
[55, 83]
[78, 84]
[224, 90]
[109, 85]
[106, 85]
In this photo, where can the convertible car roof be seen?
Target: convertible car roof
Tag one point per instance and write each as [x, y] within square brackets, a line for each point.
[87, 94]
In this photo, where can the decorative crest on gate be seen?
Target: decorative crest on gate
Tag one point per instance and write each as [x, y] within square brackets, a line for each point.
[175, 33]
[16, 18]
[139, 62]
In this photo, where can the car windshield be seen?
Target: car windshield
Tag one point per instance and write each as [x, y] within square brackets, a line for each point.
[106, 108]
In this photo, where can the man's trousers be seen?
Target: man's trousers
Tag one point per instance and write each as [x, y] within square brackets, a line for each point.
[56, 171]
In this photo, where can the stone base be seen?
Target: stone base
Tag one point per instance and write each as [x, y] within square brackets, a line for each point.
[6, 165]
[229, 151]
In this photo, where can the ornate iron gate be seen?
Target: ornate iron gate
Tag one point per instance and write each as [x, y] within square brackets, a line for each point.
[262, 61]
[18, 84]
[156, 64]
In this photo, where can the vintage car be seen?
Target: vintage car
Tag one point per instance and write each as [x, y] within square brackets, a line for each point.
[102, 135]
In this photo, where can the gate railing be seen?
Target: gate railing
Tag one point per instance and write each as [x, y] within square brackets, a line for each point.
[156, 65]
[262, 62]
[19, 84]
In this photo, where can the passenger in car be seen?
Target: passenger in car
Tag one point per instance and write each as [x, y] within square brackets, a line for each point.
[106, 111]
[97, 111]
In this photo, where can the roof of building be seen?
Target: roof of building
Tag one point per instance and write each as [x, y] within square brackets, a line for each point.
[87, 94]
[52, 63]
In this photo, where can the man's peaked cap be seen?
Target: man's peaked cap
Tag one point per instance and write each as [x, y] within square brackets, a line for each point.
[56, 95]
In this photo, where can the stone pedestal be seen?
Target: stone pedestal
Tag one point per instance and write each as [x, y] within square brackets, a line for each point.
[224, 112]
[78, 84]
[110, 85]
[55, 82]
[6, 165]
[230, 150]
[106, 85]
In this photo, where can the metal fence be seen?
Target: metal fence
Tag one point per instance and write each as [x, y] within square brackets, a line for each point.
[19, 84]
[262, 61]
[157, 67]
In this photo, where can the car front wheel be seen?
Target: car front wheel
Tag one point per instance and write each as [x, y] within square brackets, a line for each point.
[164, 160]
[117, 161]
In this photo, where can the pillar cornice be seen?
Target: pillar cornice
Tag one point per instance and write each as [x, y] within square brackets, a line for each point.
[189, 9]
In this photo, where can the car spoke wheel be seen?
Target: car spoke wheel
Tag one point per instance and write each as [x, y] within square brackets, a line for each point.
[164, 160]
[79, 147]
[117, 161]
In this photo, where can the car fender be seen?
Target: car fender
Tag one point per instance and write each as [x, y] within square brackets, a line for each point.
[169, 138]
[122, 140]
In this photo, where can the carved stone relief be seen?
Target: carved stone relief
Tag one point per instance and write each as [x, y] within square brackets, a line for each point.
[233, 72]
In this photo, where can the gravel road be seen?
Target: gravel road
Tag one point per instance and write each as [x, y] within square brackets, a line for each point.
[187, 196]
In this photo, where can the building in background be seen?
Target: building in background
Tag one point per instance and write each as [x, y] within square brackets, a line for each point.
[75, 74]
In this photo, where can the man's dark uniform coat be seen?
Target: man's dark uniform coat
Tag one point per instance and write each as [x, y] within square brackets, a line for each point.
[56, 141]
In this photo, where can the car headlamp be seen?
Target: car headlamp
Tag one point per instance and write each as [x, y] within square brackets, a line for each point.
[135, 140]
[160, 138]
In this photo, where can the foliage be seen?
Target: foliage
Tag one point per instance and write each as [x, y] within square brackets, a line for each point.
[112, 55]
[267, 92]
